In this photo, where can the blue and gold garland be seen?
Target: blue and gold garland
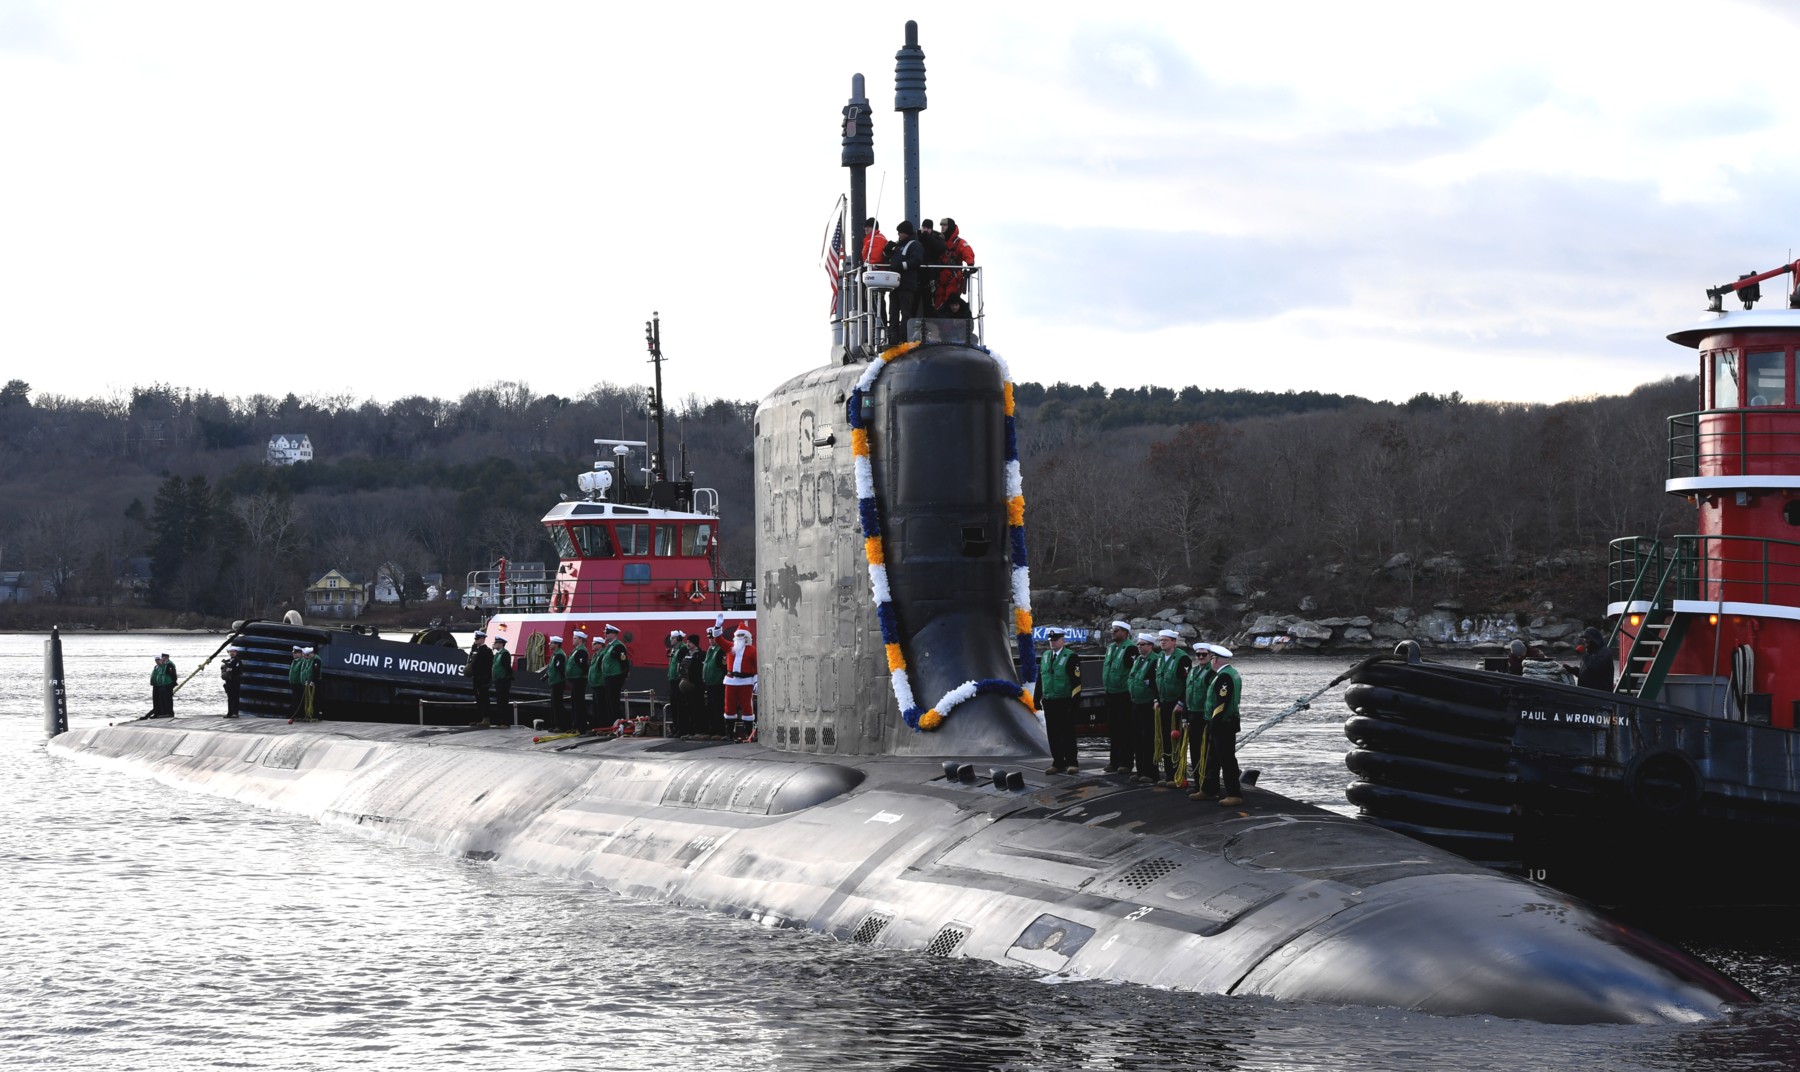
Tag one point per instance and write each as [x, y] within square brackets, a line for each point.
[870, 514]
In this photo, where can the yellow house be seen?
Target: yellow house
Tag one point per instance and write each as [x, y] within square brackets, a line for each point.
[337, 595]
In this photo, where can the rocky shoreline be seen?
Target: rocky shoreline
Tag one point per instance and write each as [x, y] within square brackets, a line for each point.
[1236, 622]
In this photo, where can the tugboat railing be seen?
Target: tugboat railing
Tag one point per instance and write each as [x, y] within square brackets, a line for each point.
[1756, 441]
[1740, 569]
[689, 591]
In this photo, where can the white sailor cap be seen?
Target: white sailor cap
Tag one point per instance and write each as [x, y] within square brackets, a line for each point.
[676, 634]
[306, 651]
[234, 647]
[479, 634]
[499, 640]
[579, 635]
[556, 640]
[1122, 625]
[1221, 652]
[1146, 638]
[610, 629]
[1202, 647]
[1170, 633]
[1053, 634]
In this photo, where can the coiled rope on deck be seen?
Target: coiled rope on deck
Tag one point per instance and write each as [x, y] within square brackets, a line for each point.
[870, 514]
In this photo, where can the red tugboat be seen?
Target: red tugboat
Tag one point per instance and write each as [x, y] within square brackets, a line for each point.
[640, 554]
[1681, 785]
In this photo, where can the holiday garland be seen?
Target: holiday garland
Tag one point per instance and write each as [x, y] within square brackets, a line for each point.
[870, 514]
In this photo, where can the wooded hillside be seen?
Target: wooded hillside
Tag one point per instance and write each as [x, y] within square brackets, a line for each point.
[1327, 500]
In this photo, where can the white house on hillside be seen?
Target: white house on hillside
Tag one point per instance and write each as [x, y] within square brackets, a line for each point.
[289, 449]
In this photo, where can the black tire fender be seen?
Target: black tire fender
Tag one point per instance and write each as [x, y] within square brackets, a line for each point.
[1664, 782]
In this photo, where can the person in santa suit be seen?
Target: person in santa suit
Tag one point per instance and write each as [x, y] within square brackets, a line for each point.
[740, 686]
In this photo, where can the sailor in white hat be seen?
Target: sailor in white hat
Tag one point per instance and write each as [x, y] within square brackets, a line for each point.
[1172, 664]
[579, 667]
[1222, 725]
[1115, 679]
[231, 674]
[503, 675]
[480, 672]
[607, 677]
[1059, 685]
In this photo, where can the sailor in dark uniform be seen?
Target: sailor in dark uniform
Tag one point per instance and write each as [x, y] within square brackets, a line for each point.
[481, 673]
[231, 673]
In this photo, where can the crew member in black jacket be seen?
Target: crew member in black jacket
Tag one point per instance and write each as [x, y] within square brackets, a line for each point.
[481, 673]
[231, 672]
[905, 255]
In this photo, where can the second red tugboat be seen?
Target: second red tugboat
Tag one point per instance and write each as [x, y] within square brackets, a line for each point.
[1679, 785]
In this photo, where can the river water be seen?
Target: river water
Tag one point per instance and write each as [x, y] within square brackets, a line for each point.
[149, 928]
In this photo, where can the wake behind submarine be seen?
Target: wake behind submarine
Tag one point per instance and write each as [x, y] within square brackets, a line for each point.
[893, 800]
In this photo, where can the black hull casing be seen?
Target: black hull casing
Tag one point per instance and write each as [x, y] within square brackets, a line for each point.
[364, 678]
[1621, 801]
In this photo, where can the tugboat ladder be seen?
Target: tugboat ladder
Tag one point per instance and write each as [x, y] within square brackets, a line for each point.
[1658, 638]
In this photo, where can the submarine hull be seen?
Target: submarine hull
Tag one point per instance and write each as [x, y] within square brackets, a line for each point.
[1086, 878]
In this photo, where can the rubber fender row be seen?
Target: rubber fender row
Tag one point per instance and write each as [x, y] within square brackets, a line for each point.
[1476, 689]
[1444, 716]
[1431, 776]
[1484, 847]
[1381, 735]
[1450, 813]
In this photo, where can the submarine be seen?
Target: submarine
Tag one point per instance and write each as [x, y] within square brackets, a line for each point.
[895, 797]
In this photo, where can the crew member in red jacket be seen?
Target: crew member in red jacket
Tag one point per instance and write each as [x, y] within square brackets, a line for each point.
[740, 686]
[874, 244]
[952, 297]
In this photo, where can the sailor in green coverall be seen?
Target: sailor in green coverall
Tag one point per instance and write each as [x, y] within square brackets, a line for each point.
[1059, 683]
[296, 683]
[1115, 677]
[162, 687]
[503, 677]
[579, 665]
[1192, 713]
[1222, 726]
[556, 675]
[1142, 683]
[1171, 688]
[312, 668]
[611, 663]
[712, 678]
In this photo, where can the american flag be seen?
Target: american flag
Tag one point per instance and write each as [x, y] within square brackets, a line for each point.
[832, 254]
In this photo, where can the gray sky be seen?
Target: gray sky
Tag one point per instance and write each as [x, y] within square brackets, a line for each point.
[375, 198]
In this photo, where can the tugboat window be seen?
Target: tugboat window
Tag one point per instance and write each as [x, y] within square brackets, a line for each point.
[665, 540]
[633, 539]
[696, 540]
[1725, 380]
[565, 547]
[1765, 377]
[594, 541]
[1790, 512]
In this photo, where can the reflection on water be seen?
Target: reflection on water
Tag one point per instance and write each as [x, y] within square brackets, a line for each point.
[148, 928]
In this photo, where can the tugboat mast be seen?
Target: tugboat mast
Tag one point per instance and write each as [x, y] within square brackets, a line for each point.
[653, 339]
